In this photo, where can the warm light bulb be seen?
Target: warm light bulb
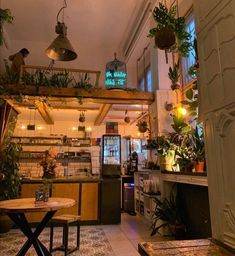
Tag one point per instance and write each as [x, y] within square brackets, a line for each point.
[183, 111]
[89, 129]
[39, 127]
[23, 127]
[74, 128]
[138, 134]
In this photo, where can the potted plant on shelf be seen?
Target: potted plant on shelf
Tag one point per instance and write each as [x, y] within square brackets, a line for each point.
[167, 214]
[170, 34]
[5, 17]
[165, 153]
[199, 150]
[173, 75]
[10, 182]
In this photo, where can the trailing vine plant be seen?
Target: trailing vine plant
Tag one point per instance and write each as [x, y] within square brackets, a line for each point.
[5, 17]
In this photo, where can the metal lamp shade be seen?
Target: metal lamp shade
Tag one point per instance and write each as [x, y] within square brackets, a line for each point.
[61, 49]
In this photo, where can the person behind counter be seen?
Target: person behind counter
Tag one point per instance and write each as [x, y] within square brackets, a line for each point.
[18, 60]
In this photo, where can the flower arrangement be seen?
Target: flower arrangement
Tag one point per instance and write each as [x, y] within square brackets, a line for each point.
[48, 163]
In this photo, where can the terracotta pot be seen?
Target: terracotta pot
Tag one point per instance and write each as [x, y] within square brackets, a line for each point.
[199, 167]
[164, 39]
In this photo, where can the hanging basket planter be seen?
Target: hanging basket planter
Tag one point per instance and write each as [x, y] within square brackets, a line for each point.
[164, 38]
[170, 34]
[142, 126]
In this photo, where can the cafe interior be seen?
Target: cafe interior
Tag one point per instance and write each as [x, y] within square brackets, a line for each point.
[117, 127]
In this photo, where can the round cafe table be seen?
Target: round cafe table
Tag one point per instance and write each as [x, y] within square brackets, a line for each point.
[16, 210]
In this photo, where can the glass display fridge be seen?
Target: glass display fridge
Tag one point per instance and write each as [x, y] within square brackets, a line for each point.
[111, 155]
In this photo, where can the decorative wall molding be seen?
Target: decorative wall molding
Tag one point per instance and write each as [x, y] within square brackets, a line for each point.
[229, 216]
[224, 119]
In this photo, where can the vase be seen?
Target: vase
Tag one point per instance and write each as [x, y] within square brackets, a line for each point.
[167, 162]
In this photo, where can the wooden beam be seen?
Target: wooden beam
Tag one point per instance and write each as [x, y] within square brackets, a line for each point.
[44, 111]
[139, 118]
[104, 109]
[10, 102]
[95, 95]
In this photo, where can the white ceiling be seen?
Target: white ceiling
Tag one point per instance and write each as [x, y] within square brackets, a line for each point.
[91, 23]
[96, 28]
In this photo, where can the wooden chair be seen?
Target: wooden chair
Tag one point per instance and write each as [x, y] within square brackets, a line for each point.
[65, 220]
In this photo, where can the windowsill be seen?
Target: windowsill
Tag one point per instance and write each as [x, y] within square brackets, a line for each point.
[193, 178]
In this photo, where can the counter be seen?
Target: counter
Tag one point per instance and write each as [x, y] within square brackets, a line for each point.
[84, 190]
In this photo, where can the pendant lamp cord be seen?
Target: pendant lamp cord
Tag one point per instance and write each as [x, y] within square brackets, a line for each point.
[61, 9]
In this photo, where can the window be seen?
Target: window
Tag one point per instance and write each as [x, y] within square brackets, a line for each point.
[149, 80]
[190, 60]
[145, 82]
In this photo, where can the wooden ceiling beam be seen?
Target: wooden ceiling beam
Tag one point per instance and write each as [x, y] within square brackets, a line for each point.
[43, 110]
[139, 118]
[95, 95]
[104, 109]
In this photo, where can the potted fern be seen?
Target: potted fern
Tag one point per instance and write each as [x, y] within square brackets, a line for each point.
[170, 33]
[167, 214]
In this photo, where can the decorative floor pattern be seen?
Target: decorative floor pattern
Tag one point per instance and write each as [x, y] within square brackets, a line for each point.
[93, 242]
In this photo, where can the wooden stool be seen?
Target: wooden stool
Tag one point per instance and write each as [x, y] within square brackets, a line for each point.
[65, 220]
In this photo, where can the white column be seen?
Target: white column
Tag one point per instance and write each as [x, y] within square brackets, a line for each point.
[215, 23]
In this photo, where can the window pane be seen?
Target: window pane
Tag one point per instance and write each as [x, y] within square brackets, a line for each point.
[141, 85]
[190, 60]
[149, 80]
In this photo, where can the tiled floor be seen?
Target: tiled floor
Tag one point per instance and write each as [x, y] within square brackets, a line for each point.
[124, 238]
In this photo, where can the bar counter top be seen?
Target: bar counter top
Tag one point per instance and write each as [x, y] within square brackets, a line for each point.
[66, 179]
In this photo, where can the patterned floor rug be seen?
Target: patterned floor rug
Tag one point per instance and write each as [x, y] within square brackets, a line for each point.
[93, 242]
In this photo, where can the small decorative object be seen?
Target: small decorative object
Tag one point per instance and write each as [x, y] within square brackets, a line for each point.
[48, 163]
[41, 196]
[169, 106]
[173, 75]
[5, 16]
[170, 34]
[82, 117]
[126, 118]
[142, 126]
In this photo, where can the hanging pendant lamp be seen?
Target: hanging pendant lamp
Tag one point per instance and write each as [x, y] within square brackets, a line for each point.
[61, 49]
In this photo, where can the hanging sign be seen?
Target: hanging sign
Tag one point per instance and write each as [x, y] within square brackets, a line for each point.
[115, 74]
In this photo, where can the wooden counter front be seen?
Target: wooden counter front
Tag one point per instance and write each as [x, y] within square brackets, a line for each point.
[85, 194]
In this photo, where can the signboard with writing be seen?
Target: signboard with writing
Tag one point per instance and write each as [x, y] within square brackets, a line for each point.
[115, 74]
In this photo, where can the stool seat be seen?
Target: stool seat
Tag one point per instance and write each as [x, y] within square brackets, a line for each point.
[65, 220]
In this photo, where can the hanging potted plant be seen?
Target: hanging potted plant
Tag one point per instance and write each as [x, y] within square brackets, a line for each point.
[142, 126]
[173, 75]
[170, 34]
[5, 17]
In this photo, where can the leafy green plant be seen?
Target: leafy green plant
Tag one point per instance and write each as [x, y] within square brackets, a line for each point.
[84, 82]
[5, 17]
[198, 145]
[9, 163]
[61, 79]
[170, 30]
[174, 75]
[164, 145]
[166, 211]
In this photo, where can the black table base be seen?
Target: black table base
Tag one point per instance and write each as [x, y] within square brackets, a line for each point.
[20, 220]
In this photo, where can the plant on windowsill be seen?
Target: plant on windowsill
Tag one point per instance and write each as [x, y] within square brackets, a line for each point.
[165, 152]
[5, 17]
[170, 33]
[173, 75]
[167, 214]
[199, 150]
